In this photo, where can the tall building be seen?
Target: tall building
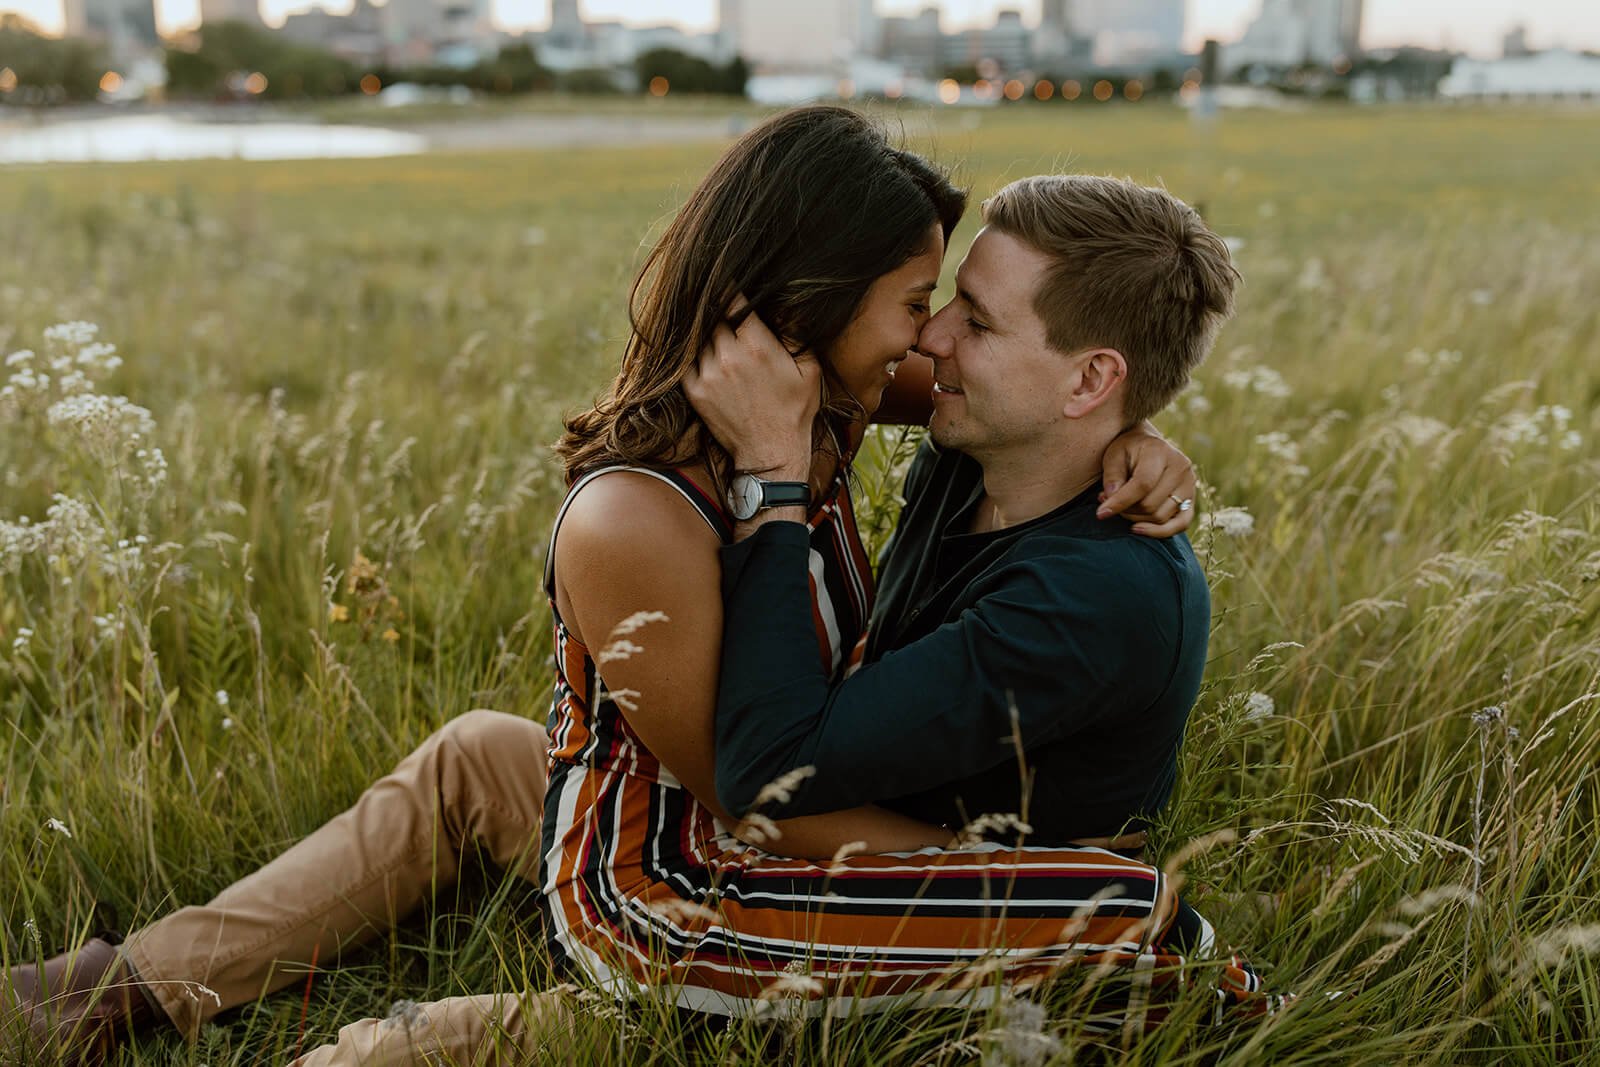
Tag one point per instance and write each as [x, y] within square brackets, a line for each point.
[1289, 32]
[1515, 43]
[1127, 30]
[778, 35]
[914, 41]
[566, 24]
[1052, 44]
[125, 25]
[215, 11]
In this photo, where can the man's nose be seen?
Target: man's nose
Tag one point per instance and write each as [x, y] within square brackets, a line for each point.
[934, 340]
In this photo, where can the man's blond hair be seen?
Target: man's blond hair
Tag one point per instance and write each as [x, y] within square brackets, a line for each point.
[1131, 268]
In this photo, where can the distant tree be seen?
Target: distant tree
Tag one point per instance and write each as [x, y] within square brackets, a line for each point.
[48, 69]
[227, 50]
[691, 74]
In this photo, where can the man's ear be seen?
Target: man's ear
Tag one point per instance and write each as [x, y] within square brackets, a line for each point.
[1101, 375]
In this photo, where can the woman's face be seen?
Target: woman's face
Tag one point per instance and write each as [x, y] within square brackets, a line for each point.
[886, 325]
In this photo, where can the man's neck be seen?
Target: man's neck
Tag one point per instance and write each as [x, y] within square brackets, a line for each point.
[1020, 487]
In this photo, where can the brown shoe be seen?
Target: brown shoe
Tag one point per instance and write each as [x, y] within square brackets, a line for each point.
[73, 1007]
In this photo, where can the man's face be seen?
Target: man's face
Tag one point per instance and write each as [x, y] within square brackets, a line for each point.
[998, 383]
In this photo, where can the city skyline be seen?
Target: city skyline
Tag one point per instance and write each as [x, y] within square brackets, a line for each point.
[1475, 27]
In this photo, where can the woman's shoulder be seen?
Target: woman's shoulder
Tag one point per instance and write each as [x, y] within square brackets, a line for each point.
[639, 506]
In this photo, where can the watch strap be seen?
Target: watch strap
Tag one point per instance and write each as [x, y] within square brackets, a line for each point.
[785, 494]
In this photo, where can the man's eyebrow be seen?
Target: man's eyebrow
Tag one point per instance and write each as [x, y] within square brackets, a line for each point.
[972, 302]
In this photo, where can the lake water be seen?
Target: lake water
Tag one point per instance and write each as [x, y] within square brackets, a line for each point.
[133, 138]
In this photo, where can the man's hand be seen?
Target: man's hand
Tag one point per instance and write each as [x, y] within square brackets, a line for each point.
[1146, 480]
[758, 400]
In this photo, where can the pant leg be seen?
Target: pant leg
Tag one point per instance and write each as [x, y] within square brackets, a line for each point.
[481, 1031]
[478, 780]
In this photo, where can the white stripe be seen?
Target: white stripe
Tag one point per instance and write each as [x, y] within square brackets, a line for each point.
[825, 611]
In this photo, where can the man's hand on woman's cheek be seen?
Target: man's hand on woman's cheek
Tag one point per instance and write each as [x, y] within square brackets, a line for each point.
[1149, 482]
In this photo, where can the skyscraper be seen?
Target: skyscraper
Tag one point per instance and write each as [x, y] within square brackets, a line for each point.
[1125, 30]
[215, 11]
[566, 23]
[1053, 41]
[777, 34]
[124, 24]
[1290, 32]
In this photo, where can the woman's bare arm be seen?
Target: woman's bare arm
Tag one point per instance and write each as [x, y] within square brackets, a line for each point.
[629, 549]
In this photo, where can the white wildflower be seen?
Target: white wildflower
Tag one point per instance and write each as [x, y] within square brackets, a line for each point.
[1313, 278]
[227, 723]
[781, 790]
[106, 424]
[1258, 379]
[1020, 1039]
[72, 334]
[221, 697]
[1258, 706]
[638, 621]
[979, 830]
[1419, 429]
[1282, 447]
[1233, 521]
[1481, 297]
[58, 826]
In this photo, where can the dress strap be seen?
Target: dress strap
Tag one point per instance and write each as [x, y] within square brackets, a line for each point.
[697, 497]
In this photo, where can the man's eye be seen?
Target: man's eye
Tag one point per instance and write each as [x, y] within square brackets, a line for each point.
[976, 326]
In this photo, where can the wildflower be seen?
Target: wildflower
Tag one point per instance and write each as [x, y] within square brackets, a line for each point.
[222, 697]
[978, 830]
[1233, 521]
[758, 829]
[1419, 429]
[792, 982]
[390, 635]
[105, 424]
[637, 621]
[1258, 706]
[1021, 1038]
[338, 613]
[781, 790]
[227, 723]
[59, 827]
[1263, 380]
[1281, 446]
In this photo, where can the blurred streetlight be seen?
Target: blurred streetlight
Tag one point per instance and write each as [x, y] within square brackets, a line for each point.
[1070, 89]
[370, 84]
[8, 79]
[659, 86]
[110, 82]
[256, 84]
[1103, 90]
[1044, 90]
[1133, 90]
[1014, 89]
[949, 91]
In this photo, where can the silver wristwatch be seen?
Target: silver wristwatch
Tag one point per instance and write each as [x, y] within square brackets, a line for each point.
[749, 494]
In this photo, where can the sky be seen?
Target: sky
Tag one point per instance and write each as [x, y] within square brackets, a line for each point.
[1471, 25]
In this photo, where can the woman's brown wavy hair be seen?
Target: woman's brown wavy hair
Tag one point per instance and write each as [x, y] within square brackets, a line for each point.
[801, 215]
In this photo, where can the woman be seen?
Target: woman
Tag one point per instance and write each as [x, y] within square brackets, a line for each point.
[836, 239]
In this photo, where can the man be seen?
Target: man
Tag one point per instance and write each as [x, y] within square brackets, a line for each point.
[1030, 667]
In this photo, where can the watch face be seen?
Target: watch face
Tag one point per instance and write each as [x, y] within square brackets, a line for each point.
[744, 496]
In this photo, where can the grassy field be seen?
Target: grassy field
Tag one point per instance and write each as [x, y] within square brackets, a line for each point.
[1389, 783]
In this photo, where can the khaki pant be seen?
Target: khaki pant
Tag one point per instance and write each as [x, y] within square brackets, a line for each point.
[480, 780]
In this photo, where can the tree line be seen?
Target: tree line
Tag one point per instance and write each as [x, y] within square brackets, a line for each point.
[216, 63]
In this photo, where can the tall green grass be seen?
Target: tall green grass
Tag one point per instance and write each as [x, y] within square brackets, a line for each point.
[1388, 785]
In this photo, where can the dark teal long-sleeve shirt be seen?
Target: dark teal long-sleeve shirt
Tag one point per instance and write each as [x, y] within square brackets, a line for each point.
[1044, 671]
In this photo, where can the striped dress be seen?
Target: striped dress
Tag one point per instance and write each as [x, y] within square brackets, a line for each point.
[643, 887]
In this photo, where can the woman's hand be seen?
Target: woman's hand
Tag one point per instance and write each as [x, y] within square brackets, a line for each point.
[1147, 481]
[757, 399]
